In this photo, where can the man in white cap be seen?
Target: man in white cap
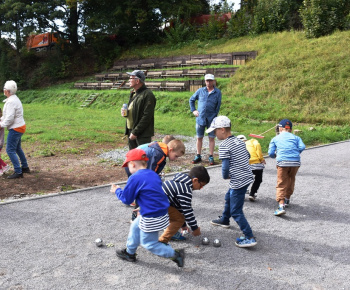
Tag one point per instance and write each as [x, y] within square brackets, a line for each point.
[209, 102]
[12, 119]
[140, 112]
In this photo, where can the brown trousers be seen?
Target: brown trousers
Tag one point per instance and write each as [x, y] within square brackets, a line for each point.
[176, 220]
[285, 182]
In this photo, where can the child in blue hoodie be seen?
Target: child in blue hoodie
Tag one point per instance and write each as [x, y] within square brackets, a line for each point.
[145, 186]
[287, 147]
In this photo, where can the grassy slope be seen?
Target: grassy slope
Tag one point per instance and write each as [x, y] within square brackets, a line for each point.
[292, 77]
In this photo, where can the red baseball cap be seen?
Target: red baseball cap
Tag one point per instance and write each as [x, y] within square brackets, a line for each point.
[135, 155]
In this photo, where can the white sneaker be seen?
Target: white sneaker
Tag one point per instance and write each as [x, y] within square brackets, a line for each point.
[5, 168]
[1, 172]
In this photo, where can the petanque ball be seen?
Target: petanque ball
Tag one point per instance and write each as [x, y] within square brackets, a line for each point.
[216, 243]
[98, 242]
[205, 241]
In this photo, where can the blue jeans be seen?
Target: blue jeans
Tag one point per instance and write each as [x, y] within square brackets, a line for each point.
[234, 200]
[14, 150]
[200, 131]
[147, 240]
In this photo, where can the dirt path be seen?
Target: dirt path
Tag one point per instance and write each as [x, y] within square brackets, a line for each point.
[64, 172]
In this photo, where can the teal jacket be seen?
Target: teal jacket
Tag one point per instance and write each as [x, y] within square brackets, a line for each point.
[143, 112]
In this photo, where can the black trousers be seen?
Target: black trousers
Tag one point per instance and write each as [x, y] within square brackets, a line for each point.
[258, 174]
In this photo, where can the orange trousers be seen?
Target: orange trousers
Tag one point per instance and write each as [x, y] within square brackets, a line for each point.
[285, 182]
[176, 220]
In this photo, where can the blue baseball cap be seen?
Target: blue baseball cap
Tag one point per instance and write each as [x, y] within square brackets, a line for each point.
[285, 123]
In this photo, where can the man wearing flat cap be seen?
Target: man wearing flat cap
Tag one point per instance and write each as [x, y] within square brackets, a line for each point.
[140, 112]
[209, 102]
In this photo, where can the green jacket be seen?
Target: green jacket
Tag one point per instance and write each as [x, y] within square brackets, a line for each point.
[143, 112]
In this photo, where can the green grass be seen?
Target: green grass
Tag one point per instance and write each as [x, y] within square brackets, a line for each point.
[304, 80]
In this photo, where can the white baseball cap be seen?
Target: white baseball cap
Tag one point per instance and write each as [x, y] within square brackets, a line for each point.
[209, 77]
[219, 122]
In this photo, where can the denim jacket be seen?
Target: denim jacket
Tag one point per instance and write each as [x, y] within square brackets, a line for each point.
[208, 105]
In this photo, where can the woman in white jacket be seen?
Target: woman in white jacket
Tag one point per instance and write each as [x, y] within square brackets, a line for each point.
[12, 119]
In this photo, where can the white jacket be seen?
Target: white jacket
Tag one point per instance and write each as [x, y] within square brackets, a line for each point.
[12, 114]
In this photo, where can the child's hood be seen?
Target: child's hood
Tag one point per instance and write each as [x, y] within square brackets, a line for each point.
[159, 146]
[183, 178]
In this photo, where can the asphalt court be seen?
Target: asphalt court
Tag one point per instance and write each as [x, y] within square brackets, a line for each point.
[48, 243]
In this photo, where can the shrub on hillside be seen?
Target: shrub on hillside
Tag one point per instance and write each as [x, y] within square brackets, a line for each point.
[322, 17]
[240, 24]
[213, 29]
[179, 32]
[273, 16]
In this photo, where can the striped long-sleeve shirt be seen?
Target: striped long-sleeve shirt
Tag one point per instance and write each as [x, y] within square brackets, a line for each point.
[179, 192]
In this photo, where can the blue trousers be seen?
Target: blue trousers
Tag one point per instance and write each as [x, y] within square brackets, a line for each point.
[14, 150]
[234, 200]
[147, 240]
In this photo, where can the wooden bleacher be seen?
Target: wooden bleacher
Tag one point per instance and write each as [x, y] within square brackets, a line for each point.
[173, 86]
[172, 73]
[172, 64]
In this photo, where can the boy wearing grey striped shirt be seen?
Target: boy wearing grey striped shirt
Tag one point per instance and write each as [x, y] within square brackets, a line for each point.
[235, 166]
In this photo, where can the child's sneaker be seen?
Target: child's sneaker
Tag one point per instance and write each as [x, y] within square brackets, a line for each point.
[197, 159]
[252, 197]
[5, 168]
[244, 242]
[1, 172]
[286, 202]
[280, 211]
[219, 222]
[178, 237]
[179, 258]
[211, 160]
[124, 255]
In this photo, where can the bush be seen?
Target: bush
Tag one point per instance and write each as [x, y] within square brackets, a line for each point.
[179, 32]
[212, 30]
[322, 17]
[272, 16]
[240, 24]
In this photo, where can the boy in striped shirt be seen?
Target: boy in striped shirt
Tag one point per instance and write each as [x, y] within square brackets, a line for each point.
[235, 166]
[179, 193]
[145, 186]
[287, 147]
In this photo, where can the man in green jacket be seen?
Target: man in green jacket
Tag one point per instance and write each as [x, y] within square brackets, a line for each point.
[140, 112]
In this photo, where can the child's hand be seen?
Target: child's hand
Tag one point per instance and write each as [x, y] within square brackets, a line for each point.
[197, 232]
[185, 230]
[137, 210]
[114, 187]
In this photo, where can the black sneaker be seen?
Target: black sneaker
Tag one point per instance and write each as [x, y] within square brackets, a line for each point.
[124, 255]
[219, 222]
[15, 175]
[25, 170]
[179, 258]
